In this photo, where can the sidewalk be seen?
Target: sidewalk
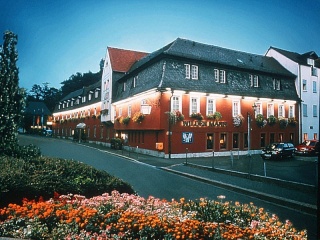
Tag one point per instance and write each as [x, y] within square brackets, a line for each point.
[233, 175]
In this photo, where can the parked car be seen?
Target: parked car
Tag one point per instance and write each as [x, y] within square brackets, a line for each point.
[308, 147]
[278, 151]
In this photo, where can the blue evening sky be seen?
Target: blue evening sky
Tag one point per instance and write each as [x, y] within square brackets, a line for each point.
[58, 38]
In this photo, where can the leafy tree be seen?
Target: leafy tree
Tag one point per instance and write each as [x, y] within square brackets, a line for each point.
[11, 96]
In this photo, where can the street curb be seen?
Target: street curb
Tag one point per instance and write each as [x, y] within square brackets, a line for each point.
[280, 182]
[303, 207]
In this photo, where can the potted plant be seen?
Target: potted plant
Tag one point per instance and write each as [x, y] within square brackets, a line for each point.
[138, 117]
[237, 120]
[197, 116]
[175, 116]
[292, 121]
[215, 116]
[125, 121]
[283, 122]
[261, 122]
[272, 120]
[116, 143]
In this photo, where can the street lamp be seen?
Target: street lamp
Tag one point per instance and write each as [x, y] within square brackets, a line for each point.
[254, 107]
[169, 126]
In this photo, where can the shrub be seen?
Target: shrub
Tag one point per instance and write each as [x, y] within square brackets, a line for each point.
[42, 176]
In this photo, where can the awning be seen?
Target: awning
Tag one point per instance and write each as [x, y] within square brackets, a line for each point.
[81, 126]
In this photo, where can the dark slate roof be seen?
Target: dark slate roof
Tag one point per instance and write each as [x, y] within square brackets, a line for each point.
[37, 108]
[188, 49]
[296, 57]
[82, 92]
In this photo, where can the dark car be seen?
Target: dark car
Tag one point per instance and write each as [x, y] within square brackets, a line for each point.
[308, 147]
[278, 151]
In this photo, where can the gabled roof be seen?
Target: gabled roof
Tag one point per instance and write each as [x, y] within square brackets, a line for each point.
[37, 108]
[122, 60]
[296, 57]
[195, 51]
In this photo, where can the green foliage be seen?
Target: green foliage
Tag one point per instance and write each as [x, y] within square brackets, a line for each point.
[42, 176]
[11, 96]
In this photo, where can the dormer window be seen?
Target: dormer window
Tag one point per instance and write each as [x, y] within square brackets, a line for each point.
[310, 62]
[219, 76]
[276, 84]
[254, 80]
[191, 71]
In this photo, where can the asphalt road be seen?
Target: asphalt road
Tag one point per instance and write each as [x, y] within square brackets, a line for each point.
[151, 181]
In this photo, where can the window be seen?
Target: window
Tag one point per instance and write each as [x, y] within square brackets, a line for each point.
[236, 108]
[89, 97]
[96, 94]
[194, 72]
[291, 111]
[134, 82]
[305, 110]
[211, 106]
[94, 131]
[314, 87]
[281, 112]
[304, 85]
[262, 140]
[223, 141]
[315, 110]
[258, 108]
[310, 61]
[235, 140]
[124, 87]
[219, 76]
[194, 105]
[209, 140]
[314, 71]
[175, 103]
[276, 84]
[101, 132]
[254, 80]
[129, 110]
[270, 109]
[272, 138]
[71, 104]
[187, 67]
[245, 140]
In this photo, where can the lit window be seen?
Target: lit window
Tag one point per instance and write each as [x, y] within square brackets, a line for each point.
[281, 112]
[270, 110]
[187, 67]
[236, 108]
[175, 103]
[291, 111]
[211, 106]
[254, 80]
[129, 110]
[194, 105]
[258, 109]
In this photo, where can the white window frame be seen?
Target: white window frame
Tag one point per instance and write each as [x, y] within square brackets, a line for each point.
[281, 110]
[270, 109]
[254, 80]
[211, 106]
[129, 110]
[194, 104]
[291, 113]
[194, 72]
[222, 76]
[314, 86]
[236, 108]
[187, 70]
[216, 75]
[96, 94]
[276, 84]
[176, 101]
[258, 108]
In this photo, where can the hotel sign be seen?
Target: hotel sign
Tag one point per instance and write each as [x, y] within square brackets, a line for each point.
[204, 124]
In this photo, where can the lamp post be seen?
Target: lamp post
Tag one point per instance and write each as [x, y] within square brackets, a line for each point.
[254, 107]
[169, 125]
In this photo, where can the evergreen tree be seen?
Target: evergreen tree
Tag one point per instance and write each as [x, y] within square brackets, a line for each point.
[11, 97]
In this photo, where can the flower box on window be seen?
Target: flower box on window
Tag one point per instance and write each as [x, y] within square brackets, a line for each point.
[197, 116]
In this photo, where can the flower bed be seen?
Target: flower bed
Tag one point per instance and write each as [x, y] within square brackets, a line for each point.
[124, 216]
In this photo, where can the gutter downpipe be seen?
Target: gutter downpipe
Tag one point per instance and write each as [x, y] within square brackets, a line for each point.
[300, 104]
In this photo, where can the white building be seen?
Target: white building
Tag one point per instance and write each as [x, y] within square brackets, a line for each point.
[307, 69]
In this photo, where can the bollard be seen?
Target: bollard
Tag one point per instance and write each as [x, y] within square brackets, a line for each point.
[212, 159]
[186, 156]
[264, 168]
[231, 155]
